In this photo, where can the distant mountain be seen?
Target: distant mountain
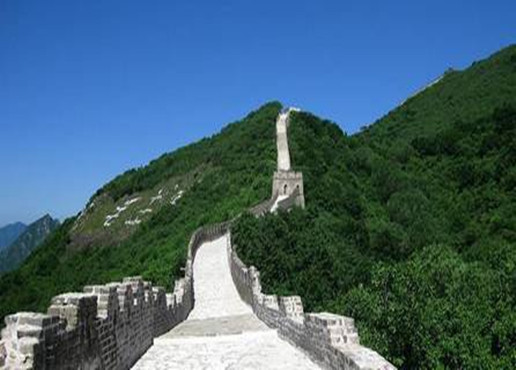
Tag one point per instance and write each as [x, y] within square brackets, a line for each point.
[11, 232]
[33, 235]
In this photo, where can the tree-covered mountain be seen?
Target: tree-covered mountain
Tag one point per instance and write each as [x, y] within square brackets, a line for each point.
[9, 233]
[33, 235]
[410, 225]
[140, 223]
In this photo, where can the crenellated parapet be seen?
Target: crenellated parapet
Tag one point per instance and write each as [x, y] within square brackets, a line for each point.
[330, 340]
[107, 326]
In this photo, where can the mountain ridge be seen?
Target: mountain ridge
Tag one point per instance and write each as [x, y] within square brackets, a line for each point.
[33, 235]
[9, 233]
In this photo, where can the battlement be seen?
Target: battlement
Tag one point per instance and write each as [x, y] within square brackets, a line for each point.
[287, 175]
[110, 326]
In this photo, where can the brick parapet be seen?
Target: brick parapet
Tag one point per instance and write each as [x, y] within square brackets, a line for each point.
[330, 340]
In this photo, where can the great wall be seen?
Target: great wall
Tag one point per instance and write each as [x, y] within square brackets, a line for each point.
[217, 316]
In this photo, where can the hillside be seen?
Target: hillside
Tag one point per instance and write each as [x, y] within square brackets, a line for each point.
[9, 233]
[158, 208]
[33, 235]
[410, 225]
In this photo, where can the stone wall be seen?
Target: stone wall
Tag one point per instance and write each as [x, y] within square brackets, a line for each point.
[291, 201]
[106, 326]
[289, 183]
[330, 340]
[264, 207]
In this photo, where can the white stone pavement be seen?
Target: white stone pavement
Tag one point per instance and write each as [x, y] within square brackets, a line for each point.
[214, 291]
[282, 142]
[221, 331]
[255, 350]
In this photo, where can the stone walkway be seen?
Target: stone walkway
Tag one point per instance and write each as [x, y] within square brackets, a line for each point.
[282, 142]
[215, 293]
[221, 332]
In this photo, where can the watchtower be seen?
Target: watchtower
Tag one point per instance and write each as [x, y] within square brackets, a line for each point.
[289, 184]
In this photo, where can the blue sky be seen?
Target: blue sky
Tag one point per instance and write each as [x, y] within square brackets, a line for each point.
[89, 89]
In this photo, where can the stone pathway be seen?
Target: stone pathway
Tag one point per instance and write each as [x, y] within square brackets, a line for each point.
[215, 293]
[253, 350]
[221, 332]
[282, 142]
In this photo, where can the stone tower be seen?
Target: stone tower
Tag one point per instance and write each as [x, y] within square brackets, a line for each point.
[289, 184]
